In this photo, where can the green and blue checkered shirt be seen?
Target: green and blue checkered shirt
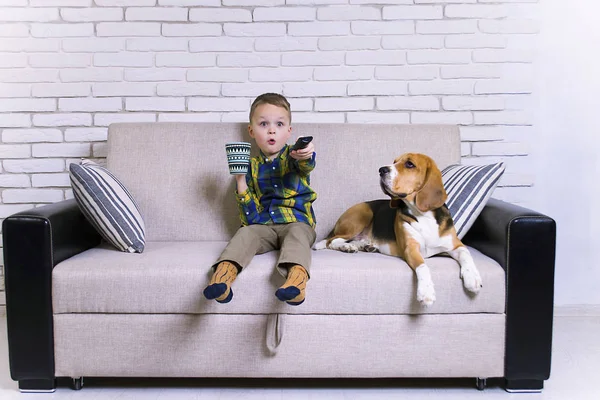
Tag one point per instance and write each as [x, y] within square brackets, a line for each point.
[278, 191]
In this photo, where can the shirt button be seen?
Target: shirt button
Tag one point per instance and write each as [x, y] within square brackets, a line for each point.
[273, 167]
[272, 212]
[275, 185]
[247, 213]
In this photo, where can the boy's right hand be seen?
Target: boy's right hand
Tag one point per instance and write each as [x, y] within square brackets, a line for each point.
[305, 153]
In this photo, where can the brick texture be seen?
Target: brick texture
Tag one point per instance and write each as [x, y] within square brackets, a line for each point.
[69, 68]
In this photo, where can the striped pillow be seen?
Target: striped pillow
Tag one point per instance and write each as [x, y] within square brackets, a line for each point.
[469, 187]
[108, 206]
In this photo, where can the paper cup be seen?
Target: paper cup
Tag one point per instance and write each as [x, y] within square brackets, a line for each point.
[238, 157]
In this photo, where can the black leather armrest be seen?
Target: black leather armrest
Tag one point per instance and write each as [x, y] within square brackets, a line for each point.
[34, 242]
[523, 242]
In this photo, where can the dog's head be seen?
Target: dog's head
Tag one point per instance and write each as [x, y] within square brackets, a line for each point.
[414, 178]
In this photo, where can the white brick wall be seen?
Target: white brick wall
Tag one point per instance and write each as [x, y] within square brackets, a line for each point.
[69, 68]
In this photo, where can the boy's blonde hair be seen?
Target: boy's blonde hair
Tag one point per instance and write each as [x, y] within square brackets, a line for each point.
[274, 99]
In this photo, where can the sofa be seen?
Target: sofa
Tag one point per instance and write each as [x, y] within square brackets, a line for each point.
[77, 307]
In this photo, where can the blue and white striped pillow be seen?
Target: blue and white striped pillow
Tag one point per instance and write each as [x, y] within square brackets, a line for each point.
[108, 206]
[469, 187]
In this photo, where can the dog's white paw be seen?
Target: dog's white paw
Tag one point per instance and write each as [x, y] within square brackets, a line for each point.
[468, 271]
[426, 293]
[349, 248]
[365, 245]
[425, 289]
[471, 279]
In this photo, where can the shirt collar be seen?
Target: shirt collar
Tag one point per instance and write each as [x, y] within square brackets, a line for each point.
[282, 154]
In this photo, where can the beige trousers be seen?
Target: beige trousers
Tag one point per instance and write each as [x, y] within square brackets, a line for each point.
[294, 240]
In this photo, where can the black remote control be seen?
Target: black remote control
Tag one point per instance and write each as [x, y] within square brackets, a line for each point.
[302, 142]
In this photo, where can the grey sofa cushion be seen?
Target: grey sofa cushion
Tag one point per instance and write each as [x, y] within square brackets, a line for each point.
[169, 278]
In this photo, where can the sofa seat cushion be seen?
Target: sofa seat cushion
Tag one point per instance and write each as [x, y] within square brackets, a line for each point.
[169, 278]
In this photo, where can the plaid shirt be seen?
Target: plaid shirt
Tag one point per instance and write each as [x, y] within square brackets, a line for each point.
[278, 191]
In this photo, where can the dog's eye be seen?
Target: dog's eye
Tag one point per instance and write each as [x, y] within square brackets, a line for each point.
[409, 164]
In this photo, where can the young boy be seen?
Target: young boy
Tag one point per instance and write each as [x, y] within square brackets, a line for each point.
[275, 203]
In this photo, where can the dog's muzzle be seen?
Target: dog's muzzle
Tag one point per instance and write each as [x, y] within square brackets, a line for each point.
[384, 171]
[385, 184]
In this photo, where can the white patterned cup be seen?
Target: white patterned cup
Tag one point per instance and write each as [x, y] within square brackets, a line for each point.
[238, 157]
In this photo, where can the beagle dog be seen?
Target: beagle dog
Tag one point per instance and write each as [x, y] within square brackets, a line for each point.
[415, 224]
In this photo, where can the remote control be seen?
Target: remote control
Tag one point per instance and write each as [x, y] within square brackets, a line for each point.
[302, 142]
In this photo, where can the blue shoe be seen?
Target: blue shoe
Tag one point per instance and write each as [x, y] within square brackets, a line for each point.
[288, 293]
[215, 290]
[228, 298]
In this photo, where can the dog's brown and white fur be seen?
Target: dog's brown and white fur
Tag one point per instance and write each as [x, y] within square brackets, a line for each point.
[415, 224]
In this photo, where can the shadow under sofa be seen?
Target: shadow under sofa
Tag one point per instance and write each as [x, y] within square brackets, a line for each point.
[77, 307]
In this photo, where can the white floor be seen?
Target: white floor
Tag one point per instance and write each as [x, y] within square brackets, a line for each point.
[575, 376]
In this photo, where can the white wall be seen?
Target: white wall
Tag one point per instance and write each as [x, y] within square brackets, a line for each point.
[68, 68]
[566, 144]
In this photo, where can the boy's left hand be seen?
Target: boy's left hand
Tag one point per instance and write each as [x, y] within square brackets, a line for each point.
[303, 154]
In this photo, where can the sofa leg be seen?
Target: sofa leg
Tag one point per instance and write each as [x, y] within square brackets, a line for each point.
[37, 385]
[77, 383]
[480, 383]
[524, 385]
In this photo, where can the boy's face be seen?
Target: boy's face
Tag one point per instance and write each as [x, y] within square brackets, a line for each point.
[270, 128]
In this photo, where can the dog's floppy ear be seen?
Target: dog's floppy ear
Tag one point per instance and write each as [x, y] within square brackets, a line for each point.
[432, 195]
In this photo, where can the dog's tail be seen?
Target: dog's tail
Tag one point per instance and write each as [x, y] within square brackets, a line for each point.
[320, 245]
[323, 243]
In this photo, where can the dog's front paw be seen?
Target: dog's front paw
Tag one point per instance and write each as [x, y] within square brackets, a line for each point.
[471, 279]
[425, 289]
[426, 294]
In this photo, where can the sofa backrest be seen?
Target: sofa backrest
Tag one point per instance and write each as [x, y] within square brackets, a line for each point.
[178, 175]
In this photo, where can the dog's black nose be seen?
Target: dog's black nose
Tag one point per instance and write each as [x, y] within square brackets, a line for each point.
[384, 170]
